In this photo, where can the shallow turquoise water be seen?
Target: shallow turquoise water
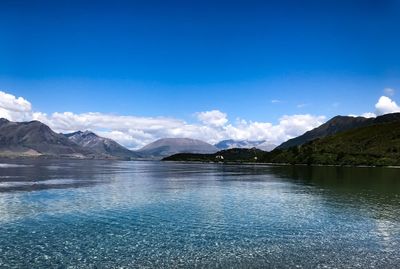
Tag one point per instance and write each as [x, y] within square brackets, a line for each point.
[103, 214]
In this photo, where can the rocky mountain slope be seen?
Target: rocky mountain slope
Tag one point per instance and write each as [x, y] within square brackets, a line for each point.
[99, 145]
[35, 139]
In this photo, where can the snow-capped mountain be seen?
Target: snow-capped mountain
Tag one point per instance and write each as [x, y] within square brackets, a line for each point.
[230, 143]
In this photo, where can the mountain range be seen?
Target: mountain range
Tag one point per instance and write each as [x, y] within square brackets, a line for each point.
[35, 139]
[103, 147]
[340, 141]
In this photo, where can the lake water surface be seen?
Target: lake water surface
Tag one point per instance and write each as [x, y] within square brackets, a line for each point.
[105, 214]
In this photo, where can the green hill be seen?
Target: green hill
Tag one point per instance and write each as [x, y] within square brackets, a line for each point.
[377, 144]
[337, 125]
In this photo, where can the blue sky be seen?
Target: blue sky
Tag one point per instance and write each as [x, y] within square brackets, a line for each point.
[177, 58]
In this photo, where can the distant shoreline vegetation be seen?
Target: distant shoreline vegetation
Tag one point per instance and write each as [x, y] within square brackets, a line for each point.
[200, 158]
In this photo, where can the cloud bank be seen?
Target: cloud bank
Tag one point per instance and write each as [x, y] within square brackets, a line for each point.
[213, 118]
[17, 109]
[135, 131]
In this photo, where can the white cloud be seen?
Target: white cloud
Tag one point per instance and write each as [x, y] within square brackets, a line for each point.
[386, 105]
[275, 101]
[288, 127]
[134, 132]
[213, 118]
[365, 115]
[10, 102]
[389, 91]
[301, 105]
[368, 115]
[300, 123]
[130, 138]
[212, 126]
[131, 131]
[13, 108]
[68, 121]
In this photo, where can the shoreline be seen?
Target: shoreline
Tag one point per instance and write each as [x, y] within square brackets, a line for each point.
[286, 164]
[75, 158]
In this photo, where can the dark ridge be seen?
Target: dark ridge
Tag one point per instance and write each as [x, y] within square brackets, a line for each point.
[336, 125]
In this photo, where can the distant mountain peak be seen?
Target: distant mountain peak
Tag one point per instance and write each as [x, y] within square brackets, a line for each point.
[19, 138]
[232, 143]
[26, 138]
[168, 146]
[266, 146]
[101, 145]
[4, 120]
[89, 134]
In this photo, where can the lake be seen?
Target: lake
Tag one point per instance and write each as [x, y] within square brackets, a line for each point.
[111, 214]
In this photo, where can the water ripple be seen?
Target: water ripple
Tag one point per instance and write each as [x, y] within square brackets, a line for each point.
[155, 215]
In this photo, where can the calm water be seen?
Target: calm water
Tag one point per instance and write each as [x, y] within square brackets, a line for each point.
[102, 214]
